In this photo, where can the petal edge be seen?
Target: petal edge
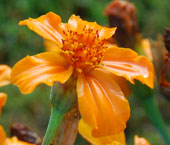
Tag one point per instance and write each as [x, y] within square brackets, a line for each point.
[128, 64]
[45, 68]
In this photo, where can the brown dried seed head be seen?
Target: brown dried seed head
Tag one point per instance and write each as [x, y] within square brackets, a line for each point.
[122, 14]
[24, 134]
[167, 39]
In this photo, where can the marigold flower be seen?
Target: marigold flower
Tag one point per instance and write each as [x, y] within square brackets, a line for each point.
[3, 98]
[4, 75]
[85, 131]
[84, 54]
[140, 141]
[4, 80]
[116, 139]
[145, 44]
[10, 141]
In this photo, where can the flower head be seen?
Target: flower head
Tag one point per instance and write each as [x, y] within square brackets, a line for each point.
[116, 139]
[81, 51]
[122, 14]
[10, 141]
[4, 80]
[4, 75]
[140, 141]
[3, 98]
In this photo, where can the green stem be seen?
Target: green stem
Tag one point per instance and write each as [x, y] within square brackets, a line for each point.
[54, 122]
[155, 117]
[62, 102]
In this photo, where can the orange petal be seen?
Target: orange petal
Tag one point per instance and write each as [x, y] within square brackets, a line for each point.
[4, 75]
[123, 84]
[127, 63]
[85, 130]
[51, 46]
[101, 103]
[45, 68]
[146, 47]
[2, 135]
[78, 24]
[48, 26]
[141, 141]
[115, 143]
[3, 98]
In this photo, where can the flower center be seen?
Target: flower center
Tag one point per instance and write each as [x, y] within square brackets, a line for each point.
[83, 48]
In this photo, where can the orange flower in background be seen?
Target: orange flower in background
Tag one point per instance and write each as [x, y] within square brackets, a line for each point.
[116, 139]
[85, 131]
[4, 75]
[3, 98]
[10, 141]
[4, 80]
[82, 51]
[140, 141]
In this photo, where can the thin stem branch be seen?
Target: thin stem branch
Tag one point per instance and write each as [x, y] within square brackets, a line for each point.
[146, 97]
[54, 122]
[155, 117]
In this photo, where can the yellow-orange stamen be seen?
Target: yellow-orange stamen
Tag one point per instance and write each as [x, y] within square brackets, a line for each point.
[85, 48]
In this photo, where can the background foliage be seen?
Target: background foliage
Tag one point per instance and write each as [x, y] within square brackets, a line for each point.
[16, 42]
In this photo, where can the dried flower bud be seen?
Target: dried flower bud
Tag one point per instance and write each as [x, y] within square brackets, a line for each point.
[122, 15]
[24, 134]
[167, 39]
[164, 81]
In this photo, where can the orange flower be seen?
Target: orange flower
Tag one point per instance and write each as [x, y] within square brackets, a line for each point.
[4, 75]
[85, 131]
[147, 48]
[10, 141]
[141, 141]
[82, 51]
[4, 80]
[3, 98]
[116, 139]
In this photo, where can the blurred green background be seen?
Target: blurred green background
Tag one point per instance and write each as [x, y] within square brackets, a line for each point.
[16, 42]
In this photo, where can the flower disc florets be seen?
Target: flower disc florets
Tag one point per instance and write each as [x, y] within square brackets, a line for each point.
[83, 48]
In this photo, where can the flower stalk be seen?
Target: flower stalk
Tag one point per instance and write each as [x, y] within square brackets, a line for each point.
[146, 97]
[54, 122]
[62, 102]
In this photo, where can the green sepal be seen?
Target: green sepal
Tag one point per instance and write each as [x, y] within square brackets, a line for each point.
[62, 98]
